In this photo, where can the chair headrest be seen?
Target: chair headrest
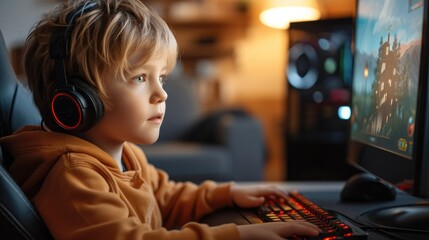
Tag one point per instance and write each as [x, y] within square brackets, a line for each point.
[16, 103]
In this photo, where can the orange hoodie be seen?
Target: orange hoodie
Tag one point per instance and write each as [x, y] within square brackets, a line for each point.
[81, 194]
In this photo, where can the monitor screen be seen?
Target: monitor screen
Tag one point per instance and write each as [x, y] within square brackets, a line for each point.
[387, 80]
[387, 62]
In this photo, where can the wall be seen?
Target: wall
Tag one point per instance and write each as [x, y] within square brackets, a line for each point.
[18, 16]
[260, 62]
[259, 84]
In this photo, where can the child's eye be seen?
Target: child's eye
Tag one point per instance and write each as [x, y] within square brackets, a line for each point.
[139, 79]
[162, 79]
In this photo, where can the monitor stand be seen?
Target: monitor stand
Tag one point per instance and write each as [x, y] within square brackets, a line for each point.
[405, 217]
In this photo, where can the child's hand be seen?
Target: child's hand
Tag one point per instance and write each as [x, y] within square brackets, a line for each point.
[277, 230]
[253, 196]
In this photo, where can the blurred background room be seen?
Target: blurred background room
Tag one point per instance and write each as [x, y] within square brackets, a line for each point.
[293, 78]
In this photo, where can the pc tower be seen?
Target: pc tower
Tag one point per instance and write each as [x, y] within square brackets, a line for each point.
[318, 74]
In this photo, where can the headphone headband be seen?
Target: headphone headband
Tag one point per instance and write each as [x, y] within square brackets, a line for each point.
[59, 44]
[75, 106]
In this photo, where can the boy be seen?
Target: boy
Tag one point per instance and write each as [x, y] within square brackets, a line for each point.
[96, 70]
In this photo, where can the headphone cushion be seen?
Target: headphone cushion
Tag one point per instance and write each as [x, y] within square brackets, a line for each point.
[75, 107]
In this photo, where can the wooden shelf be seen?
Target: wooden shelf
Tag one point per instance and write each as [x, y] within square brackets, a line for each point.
[205, 33]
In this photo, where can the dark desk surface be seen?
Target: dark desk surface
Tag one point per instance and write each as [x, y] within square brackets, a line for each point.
[326, 195]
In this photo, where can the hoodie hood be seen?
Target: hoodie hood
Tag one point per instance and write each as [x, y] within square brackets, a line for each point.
[35, 152]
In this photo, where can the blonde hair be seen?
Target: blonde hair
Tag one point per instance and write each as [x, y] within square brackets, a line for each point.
[102, 39]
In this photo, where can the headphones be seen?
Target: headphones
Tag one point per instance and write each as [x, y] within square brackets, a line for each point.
[75, 105]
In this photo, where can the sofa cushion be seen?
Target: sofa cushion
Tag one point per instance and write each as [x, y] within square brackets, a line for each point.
[181, 160]
[182, 108]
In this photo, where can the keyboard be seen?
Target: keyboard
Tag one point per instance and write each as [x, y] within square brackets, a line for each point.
[298, 207]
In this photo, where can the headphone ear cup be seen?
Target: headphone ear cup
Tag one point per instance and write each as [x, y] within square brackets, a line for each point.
[75, 107]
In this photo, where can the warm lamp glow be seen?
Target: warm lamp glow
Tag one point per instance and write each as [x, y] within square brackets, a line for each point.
[279, 13]
[366, 71]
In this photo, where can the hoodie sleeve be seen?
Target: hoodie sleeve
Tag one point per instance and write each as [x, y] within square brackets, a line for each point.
[181, 202]
[184, 202]
[79, 200]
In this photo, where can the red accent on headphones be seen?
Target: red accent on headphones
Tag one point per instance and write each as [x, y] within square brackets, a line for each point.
[60, 120]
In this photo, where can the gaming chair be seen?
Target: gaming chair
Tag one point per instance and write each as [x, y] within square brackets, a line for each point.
[18, 218]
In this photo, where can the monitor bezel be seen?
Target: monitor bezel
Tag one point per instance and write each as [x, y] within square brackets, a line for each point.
[422, 165]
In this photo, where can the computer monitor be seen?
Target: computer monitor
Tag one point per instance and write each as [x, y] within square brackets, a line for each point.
[389, 134]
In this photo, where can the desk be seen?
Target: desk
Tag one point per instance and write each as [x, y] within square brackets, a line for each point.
[326, 195]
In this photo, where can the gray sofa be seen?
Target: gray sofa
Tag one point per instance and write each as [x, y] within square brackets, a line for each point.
[224, 145]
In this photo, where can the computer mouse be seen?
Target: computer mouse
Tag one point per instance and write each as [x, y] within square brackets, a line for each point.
[365, 187]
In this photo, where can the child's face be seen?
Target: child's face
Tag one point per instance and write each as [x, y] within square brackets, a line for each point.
[137, 103]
